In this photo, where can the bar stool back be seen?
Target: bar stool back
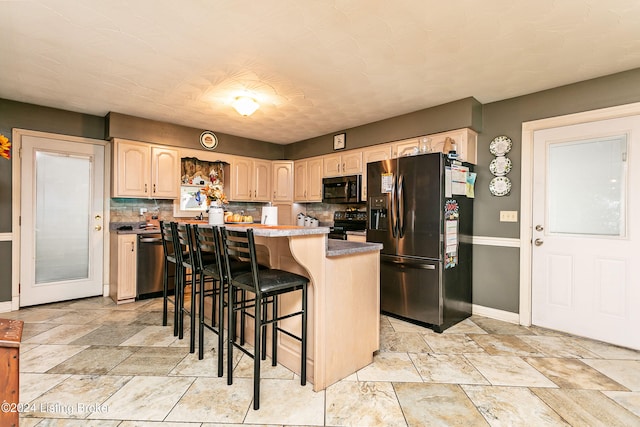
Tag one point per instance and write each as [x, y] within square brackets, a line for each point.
[262, 288]
[168, 273]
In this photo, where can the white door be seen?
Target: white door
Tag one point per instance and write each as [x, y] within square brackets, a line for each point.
[586, 237]
[61, 240]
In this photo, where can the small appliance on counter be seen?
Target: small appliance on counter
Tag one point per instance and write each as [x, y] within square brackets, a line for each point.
[348, 220]
[269, 215]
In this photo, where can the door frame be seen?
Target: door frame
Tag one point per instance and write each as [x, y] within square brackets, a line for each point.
[16, 205]
[526, 191]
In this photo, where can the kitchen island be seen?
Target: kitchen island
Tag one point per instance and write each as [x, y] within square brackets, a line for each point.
[343, 299]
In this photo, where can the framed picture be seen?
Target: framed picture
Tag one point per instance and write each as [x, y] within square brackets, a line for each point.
[339, 141]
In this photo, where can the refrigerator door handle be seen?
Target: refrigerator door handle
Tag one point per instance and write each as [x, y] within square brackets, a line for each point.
[394, 215]
[408, 263]
[401, 206]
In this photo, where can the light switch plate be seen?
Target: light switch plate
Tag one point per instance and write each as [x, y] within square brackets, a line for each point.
[508, 216]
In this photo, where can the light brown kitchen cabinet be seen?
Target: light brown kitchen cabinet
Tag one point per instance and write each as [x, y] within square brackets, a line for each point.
[347, 163]
[123, 267]
[408, 147]
[250, 180]
[370, 155]
[282, 181]
[144, 170]
[307, 177]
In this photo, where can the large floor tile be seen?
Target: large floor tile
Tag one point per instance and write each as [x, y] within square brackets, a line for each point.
[626, 372]
[404, 342]
[150, 361]
[390, 367]
[508, 371]
[573, 373]
[62, 334]
[505, 345]
[34, 385]
[145, 398]
[452, 344]
[78, 396]
[436, 405]
[286, 402]
[446, 368]
[512, 406]
[151, 336]
[212, 400]
[95, 360]
[363, 404]
[45, 357]
[587, 408]
[627, 399]
[109, 335]
[556, 346]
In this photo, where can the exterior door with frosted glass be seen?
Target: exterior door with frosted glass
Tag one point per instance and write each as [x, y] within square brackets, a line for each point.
[61, 220]
[586, 237]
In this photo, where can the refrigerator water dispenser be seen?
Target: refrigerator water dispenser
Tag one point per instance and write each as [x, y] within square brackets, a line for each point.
[378, 208]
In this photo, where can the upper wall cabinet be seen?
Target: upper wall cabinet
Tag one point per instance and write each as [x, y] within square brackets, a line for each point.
[370, 155]
[347, 163]
[144, 170]
[282, 181]
[250, 180]
[307, 176]
[466, 141]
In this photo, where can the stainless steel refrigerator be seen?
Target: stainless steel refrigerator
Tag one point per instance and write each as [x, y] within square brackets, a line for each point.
[425, 229]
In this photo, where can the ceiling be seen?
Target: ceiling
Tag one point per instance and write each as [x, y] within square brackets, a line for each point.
[315, 66]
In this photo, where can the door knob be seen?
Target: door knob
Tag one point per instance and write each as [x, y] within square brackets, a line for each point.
[538, 242]
[98, 227]
[539, 227]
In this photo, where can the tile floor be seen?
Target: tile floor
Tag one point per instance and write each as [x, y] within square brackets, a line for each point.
[92, 363]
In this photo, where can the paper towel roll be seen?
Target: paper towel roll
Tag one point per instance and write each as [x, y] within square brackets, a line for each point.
[269, 215]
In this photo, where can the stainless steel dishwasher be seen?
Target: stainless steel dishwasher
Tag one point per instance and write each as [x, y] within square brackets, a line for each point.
[150, 266]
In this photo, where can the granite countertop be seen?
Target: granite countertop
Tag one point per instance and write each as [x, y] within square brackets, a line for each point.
[136, 228]
[344, 247]
[279, 230]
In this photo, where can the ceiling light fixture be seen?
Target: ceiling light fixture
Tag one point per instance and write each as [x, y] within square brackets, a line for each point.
[245, 105]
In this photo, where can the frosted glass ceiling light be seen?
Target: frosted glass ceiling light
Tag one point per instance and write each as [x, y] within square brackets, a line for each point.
[245, 106]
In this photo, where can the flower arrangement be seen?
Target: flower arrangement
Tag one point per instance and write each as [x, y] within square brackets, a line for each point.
[5, 147]
[214, 192]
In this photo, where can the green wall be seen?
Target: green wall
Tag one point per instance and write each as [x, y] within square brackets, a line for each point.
[496, 268]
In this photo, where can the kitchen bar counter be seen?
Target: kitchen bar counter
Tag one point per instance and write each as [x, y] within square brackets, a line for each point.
[343, 298]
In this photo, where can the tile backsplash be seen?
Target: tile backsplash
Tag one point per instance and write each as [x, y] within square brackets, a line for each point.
[128, 210]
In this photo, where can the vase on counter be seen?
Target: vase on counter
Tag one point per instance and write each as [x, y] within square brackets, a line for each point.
[216, 214]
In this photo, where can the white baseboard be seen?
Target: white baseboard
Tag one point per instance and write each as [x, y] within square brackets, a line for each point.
[5, 307]
[493, 313]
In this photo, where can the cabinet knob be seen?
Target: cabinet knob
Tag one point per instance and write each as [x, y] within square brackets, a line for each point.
[154, 189]
[145, 188]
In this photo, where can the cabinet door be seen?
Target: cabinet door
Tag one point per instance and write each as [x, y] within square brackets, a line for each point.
[131, 170]
[261, 181]
[241, 175]
[370, 155]
[127, 266]
[332, 165]
[165, 173]
[282, 182]
[405, 148]
[314, 180]
[300, 179]
[352, 163]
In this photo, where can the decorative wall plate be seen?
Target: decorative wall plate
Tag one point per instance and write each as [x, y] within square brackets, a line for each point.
[208, 140]
[500, 166]
[500, 186]
[500, 145]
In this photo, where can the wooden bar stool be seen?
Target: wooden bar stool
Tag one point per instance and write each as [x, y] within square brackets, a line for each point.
[261, 290]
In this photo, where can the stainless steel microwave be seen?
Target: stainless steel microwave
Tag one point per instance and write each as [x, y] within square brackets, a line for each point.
[342, 189]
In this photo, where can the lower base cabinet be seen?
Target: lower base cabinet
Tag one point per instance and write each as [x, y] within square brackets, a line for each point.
[123, 267]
